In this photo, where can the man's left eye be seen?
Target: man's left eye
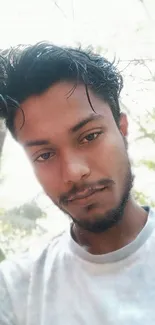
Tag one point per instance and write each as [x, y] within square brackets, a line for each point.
[90, 137]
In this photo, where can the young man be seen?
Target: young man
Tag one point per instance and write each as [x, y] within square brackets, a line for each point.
[62, 106]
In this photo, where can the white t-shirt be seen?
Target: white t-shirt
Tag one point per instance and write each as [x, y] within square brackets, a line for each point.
[63, 284]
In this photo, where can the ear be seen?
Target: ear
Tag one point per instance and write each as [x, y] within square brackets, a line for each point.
[123, 124]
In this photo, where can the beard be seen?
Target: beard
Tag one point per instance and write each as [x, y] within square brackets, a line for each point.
[105, 221]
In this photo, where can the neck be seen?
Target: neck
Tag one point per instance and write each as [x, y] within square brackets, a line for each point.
[133, 221]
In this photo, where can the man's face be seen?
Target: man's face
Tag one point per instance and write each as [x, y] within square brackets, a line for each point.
[79, 156]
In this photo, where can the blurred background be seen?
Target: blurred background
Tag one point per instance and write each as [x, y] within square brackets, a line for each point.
[123, 29]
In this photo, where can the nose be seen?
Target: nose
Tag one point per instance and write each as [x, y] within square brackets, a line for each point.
[74, 169]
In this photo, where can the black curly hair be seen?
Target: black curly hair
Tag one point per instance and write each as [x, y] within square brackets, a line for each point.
[32, 69]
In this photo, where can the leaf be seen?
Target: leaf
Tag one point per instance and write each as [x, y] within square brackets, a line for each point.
[148, 163]
[2, 256]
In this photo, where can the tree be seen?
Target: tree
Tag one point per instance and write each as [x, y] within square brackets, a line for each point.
[29, 211]
[2, 256]
[18, 226]
[144, 124]
[2, 135]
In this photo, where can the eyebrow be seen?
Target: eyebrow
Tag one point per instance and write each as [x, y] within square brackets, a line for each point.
[82, 123]
[34, 143]
[75, 128]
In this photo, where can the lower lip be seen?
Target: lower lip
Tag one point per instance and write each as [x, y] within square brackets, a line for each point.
[89, 199]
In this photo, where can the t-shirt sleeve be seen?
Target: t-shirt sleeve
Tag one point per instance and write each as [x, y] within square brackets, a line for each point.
[14, 281]
[7, 316]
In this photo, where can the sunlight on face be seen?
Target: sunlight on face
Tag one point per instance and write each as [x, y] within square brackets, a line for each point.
[73, 149]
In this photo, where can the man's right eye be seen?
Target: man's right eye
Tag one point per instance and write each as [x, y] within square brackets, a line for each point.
[44, 157]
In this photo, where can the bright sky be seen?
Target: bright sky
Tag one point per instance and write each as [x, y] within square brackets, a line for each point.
[111, 23]
[124, 28]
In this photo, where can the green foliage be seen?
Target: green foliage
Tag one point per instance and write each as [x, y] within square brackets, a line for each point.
[146, 132]
[2, 135]
[148, 163]
[142, 199]
[2, 212]
[18, 227]
[14, 240]
[2, 256]
[28, 210]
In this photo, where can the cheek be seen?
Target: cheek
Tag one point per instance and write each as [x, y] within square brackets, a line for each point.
[109, 156]
[49, 180]
[117, 160]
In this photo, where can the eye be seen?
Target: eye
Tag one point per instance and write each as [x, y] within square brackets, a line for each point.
[44, 157]
[90, 137]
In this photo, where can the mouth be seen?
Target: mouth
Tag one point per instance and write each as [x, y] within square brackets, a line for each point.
[85, 195]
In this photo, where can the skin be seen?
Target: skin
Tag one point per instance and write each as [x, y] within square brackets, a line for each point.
[69, 156]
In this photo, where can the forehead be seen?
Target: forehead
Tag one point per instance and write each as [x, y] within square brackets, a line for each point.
[58, 108]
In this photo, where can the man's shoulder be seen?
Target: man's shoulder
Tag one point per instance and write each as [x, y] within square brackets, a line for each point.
[19, 273]
[20, 267]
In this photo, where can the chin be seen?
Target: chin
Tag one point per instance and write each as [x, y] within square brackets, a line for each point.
[100, 221]
[97, 226]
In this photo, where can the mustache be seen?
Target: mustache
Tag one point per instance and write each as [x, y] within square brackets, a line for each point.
[65, 197]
